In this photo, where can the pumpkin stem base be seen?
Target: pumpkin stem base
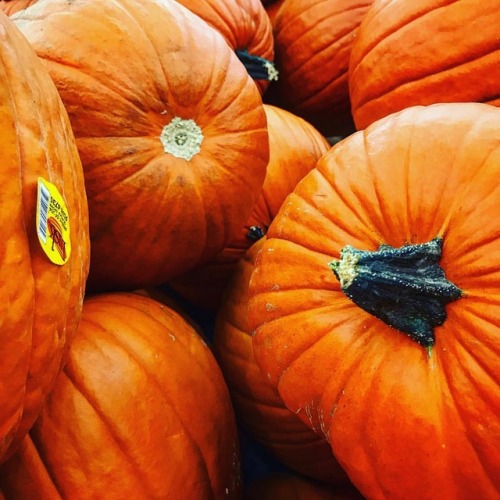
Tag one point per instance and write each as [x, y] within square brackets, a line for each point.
[404, 287]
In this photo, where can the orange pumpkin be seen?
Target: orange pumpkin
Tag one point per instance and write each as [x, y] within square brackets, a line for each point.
[272, 9]
[313, 43]
[141, 410]
[248, 31]
[375, 304]
[12, 6]
[257, 404]
[44, 265]
[294, 147]
[425, 52]
[169, 126]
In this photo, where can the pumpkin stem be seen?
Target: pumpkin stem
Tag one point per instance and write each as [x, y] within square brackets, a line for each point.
[258, 67]
[182, 138]
[404, 287]
[255, 233]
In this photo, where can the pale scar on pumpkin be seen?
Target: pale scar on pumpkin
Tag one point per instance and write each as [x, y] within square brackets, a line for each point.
[182, 138]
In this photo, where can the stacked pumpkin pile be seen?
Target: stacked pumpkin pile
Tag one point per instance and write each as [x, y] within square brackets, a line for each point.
[241, 218]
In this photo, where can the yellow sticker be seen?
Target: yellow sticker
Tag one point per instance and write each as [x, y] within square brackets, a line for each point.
[52, 222]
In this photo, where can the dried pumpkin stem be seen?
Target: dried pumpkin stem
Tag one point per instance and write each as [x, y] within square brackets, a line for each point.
[258, 67]
[405, 287]
[182, 138]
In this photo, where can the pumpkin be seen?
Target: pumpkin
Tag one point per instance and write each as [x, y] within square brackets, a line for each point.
[173, 163]
[294, 487]
[272, 9]
[257, 404]
[294, 147]
[248, 31]
[141, 410]
[45, 242]
[425, 52]
[313, 43]
[375, 303]
[12, 6]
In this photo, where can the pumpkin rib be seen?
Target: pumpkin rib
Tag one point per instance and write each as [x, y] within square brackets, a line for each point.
[423, 75]
[319, 336]
[460, 341]
[322, 90]
[321, 50]
[365, 414]
[49, 59]
[404, 22]
[180, 340]
[361, 206]
[152, 378]
[28, 448]
[106, 424]
[374, 373]
[103, 81]
[345, 227]
[379, 201]
[462, 419]
[463, 193]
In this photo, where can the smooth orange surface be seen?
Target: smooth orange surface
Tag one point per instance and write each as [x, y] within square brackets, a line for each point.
[402, 423]
[40, 302]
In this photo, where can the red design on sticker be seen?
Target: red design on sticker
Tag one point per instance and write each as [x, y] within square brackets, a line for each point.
[55, 233]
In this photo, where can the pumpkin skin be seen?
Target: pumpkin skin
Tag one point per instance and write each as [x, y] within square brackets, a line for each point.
[124, 418]
[40, 300]
[313, 43]
[257, 404]
[12, 6]
[294, 148]
[245, 27]
[420, 53]
[153, 212]
[272, 9]
[389, 407]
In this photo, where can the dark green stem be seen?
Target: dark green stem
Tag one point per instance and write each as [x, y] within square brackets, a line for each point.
[404, 287]
[258, 67]
[255, 233]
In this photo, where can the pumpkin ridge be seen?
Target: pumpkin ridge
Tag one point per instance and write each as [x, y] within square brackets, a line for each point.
[118, 92]
[318, 95]
[424, 77]
[308, 342]
[35, 455]
[361, 202]
[347, 374]
[404, 22]
[107, 424]
[114, 433]
[466, 187]
[327, 44]
[460, 341]
[462, 418]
